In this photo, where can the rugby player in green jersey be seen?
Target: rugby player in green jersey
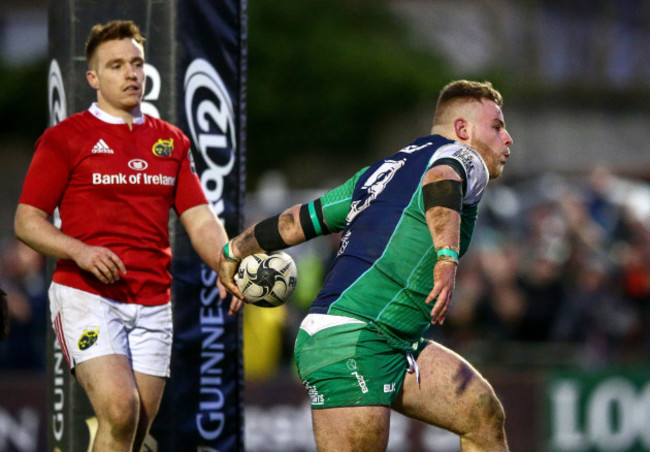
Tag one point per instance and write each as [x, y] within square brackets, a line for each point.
[405, 222]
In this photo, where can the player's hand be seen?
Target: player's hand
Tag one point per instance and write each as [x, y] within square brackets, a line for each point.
[226, 283]
[101, 262]
[444, 276]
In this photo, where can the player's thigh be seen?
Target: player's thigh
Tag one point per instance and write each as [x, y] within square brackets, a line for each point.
[451, 394]
[110, 384]
[150, 389]
[363, 428]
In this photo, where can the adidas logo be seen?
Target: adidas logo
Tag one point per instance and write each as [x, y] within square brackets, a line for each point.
[102, 148]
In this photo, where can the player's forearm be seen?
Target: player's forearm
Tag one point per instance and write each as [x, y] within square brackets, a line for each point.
[289, 230]
[32, 227]
[444, 225]
[208, 242]
[290, 227]
[206, 232]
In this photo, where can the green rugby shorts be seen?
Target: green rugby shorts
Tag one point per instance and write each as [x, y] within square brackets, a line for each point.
[350, 364]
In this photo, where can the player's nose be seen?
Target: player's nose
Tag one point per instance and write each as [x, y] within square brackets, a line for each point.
[507, 139]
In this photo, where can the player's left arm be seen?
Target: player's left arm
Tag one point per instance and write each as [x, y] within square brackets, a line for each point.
[206, 232]
[208, 236]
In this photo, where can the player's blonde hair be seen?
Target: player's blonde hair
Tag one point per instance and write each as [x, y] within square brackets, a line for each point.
[113, 30]
[463, 91]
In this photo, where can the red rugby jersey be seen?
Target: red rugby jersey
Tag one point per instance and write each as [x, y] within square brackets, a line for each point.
[114, 187]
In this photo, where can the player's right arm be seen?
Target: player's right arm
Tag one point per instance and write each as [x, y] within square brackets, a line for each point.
[295, 225]
[272, 234]
[32, 227]
[46, 180]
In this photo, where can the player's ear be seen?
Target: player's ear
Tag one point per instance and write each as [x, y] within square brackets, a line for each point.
[91, 76]
[461, 128]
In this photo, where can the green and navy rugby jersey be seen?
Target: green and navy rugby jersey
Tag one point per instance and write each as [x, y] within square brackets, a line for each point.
[384, 267]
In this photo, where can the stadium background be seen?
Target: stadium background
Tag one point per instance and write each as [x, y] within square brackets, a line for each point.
[552, 303]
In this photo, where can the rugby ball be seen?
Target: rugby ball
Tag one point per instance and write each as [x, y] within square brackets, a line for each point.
[267, 280]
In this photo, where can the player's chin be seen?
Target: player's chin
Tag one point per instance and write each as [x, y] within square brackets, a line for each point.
[497, 171]
[132, 100]
[130, 104]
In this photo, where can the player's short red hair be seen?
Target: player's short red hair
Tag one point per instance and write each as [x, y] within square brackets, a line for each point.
[114, 30]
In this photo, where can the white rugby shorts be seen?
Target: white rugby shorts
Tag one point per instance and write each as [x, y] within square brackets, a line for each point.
[88, 326]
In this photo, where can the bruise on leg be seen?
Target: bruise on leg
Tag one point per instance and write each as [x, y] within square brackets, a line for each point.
[463, 377]
[456, 397]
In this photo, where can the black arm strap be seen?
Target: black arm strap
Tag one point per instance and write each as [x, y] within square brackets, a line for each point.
[444, 193]
[456, 166]
[268, 235]
[312, 221]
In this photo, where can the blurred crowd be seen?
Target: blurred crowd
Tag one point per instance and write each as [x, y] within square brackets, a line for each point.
[555, 260]
[592, 40]
[560, 260]
[22, 277]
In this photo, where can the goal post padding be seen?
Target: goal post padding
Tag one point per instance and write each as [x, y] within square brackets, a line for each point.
[195, 52]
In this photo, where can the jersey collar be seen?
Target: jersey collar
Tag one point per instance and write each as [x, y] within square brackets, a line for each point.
[110, 119]
[480, 157]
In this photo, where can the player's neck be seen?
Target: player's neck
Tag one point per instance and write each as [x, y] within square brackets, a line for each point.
[444, 131]
[127, 115]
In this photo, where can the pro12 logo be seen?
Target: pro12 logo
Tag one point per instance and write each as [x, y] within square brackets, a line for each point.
[56, 102]
[151, 74]
[211, 120]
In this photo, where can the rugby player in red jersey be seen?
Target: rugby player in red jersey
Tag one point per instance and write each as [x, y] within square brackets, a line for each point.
[114, 174]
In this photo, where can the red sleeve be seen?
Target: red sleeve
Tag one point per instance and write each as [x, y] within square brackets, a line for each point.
[189, 192]
[48, 174]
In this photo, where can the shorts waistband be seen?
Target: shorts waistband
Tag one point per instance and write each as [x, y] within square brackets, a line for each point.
[313, 323]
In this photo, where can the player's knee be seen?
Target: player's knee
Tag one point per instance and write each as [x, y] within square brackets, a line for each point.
[122, 417]
[494, 410]
[487, 413]
[489, 410]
